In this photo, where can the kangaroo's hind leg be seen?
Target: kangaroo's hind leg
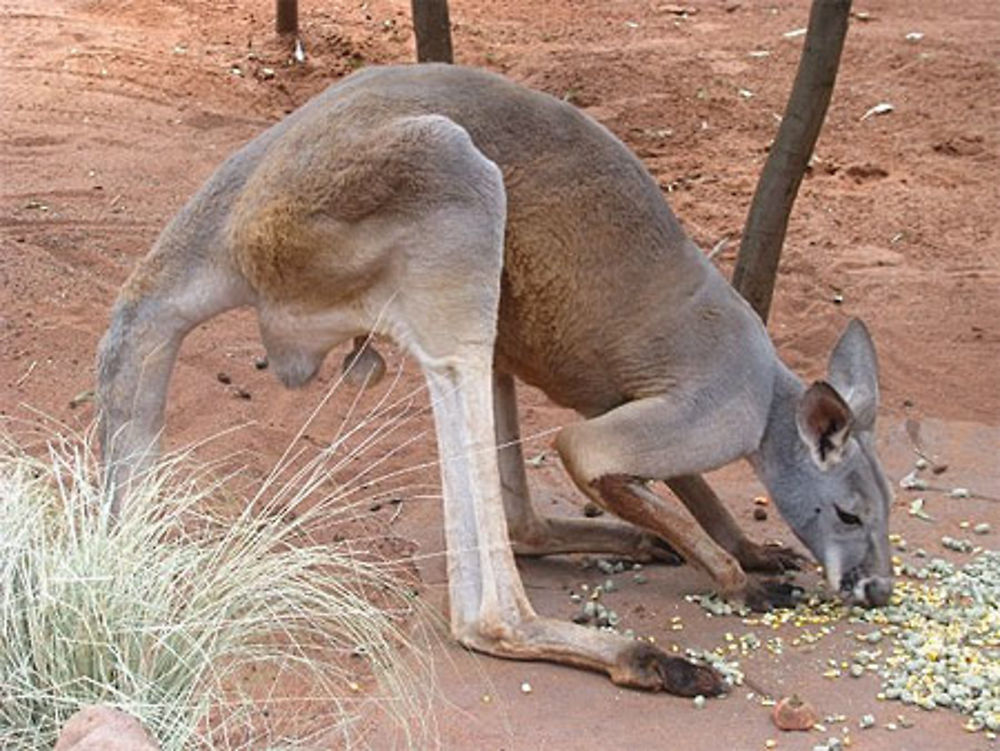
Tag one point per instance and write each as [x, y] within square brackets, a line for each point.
[445, 315]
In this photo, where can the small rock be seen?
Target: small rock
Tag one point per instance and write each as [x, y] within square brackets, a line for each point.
[760, 514]
[260, 363]
[526, 688]
[223, 378]
[592, 510]
[101, 728]
[792, 713]
[699, 702]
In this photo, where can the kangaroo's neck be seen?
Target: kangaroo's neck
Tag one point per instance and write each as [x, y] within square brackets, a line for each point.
[780, 449]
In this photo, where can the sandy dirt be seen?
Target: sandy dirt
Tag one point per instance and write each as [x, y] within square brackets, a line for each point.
[112, 113]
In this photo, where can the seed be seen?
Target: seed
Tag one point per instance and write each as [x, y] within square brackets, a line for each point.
[982, 528]
[526, 688]
[699, 702]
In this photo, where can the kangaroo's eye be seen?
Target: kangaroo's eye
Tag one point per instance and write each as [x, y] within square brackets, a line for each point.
[849, 519]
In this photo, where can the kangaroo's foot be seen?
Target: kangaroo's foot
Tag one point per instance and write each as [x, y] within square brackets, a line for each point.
[644, 666]
[628, 663]
[555, 535]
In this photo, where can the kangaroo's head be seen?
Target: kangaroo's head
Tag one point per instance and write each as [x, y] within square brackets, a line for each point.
[831, 489]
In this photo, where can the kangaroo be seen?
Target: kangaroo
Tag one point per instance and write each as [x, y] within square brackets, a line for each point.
[496, 232]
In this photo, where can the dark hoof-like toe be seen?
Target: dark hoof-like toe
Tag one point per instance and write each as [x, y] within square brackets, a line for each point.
[645, 666]
[762, 596]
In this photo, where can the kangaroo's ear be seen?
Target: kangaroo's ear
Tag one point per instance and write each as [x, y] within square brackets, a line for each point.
[853, 372]
[824, 421]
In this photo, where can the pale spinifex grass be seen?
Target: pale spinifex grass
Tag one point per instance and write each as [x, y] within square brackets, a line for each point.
[165, 612]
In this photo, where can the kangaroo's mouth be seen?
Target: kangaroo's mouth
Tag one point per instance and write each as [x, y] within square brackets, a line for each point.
[869, 591]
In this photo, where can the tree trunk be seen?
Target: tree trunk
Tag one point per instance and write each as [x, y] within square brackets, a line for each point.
[287, 17]
[764, 234]
[433, 30]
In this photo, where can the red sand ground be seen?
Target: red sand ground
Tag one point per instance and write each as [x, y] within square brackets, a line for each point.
[114, 112]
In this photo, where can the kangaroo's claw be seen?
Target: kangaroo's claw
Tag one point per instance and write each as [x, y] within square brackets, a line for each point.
[764, 595]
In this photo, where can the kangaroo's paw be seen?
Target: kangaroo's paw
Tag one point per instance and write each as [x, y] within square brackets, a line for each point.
[644, 666]
[767, 594]
[769, 559]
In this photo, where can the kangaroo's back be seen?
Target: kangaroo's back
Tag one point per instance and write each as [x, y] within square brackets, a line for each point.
[592, 249]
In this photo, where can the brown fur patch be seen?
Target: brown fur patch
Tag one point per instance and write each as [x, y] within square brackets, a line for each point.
[291, 228]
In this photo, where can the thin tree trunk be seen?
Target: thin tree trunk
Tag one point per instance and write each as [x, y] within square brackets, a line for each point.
[287, 16]
[433, 30]
[767, 221]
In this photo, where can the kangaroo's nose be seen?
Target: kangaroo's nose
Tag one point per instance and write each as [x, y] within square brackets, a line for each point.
[877, 591]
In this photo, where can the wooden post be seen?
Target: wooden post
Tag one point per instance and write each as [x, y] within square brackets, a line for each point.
[767, 221]
[433, 30]
[287, 16]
